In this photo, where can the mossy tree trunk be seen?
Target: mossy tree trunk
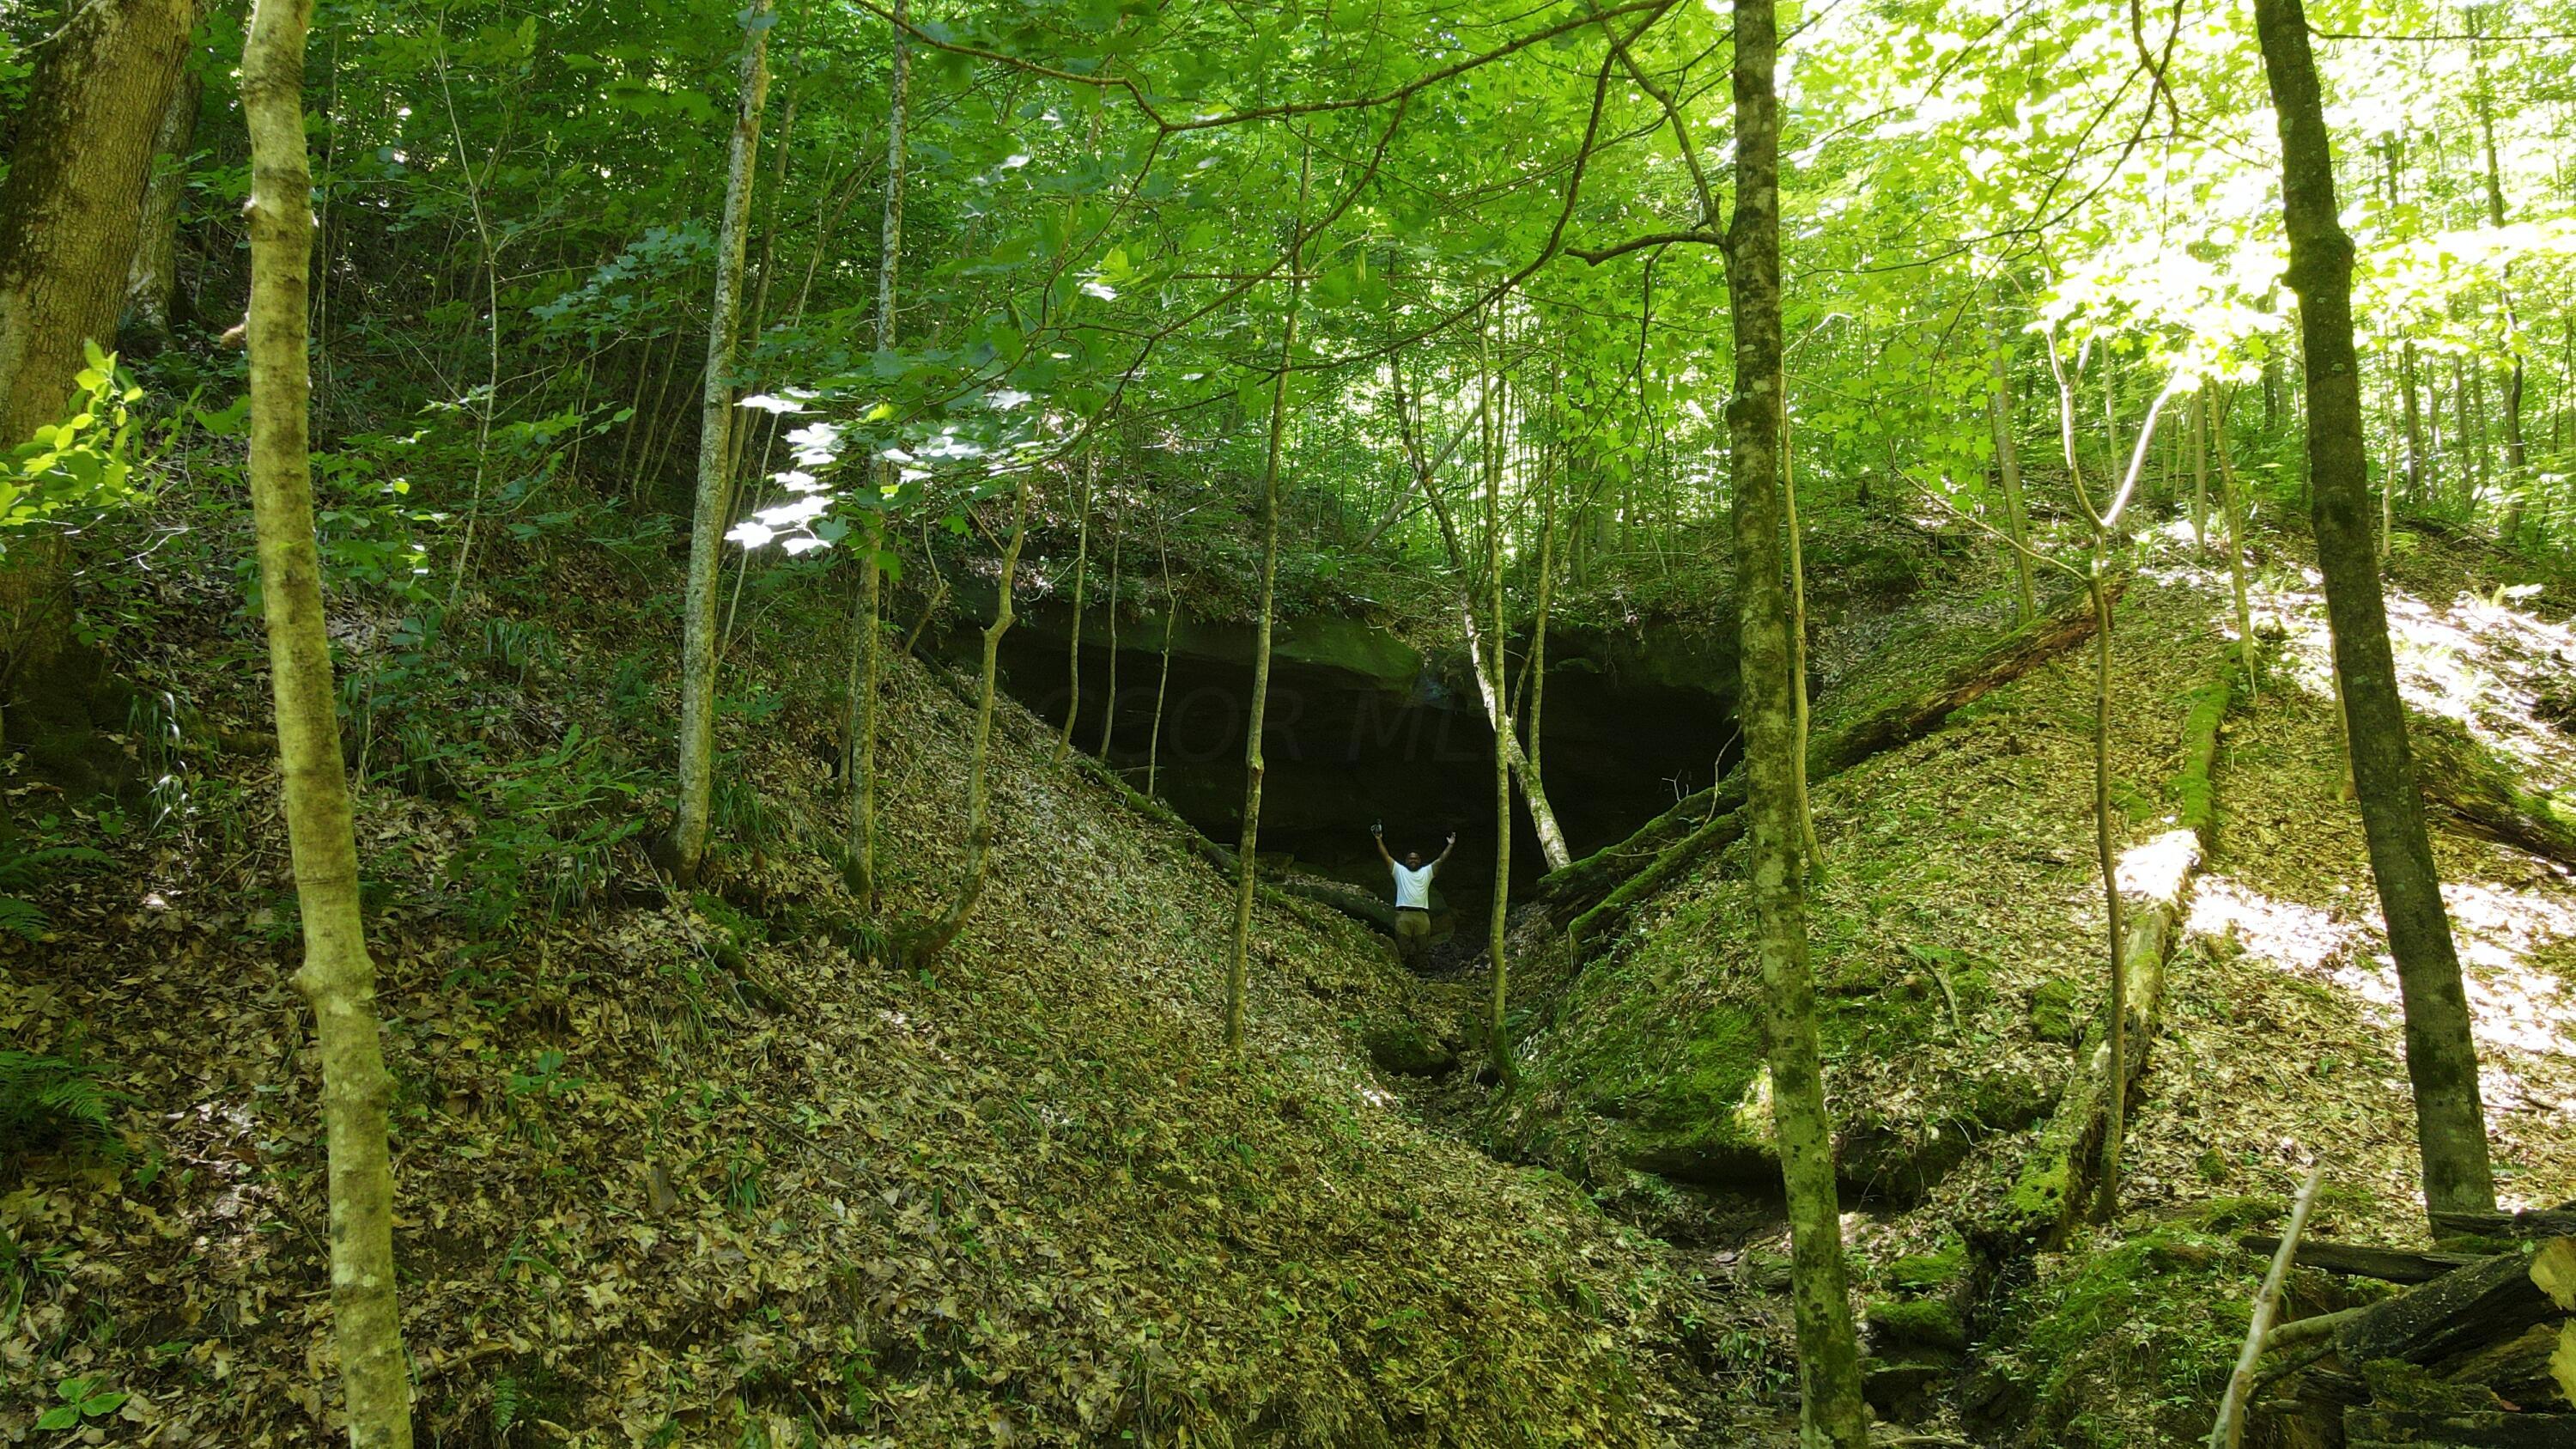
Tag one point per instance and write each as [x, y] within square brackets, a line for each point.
[979, 793]
[337, 980]
[69, 214]
[1498, 996]
[688, 843]
[152, 280]
[1246, 862]
[2441, 1057]
[1081, 567]
[1828, 1354]
[1999, 415]
[867, 642]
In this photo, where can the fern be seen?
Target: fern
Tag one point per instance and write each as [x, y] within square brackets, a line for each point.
[21, 919]
[52, 1103]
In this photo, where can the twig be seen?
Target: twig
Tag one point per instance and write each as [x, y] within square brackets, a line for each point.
[2229, 1431]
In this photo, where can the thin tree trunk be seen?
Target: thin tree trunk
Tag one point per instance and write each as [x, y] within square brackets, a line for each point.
[2516, 457]
[1809, 851]
[1238, 960]
[2418, 487]
[1535, 672]
[1828, 1356]
[1162, 681]
[1999, 412]
[2441, 1057]
[688, 843]
[979, 794]
[1081, 567]
[867, 629]
[1109, 712]
[2200, 472]
[337, 980]
[2229, 501]
[1497, 1044]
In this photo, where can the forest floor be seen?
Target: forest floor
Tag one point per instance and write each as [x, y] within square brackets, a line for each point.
[683, 1168]
[697, 1167]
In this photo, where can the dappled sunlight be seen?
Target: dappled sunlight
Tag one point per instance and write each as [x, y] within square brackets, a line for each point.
[2515, 1004]
[2156, 869]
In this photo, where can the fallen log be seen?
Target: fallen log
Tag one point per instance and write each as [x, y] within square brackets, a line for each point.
[2536, 1370]
[2466, 1309]
[2388, 1265]
[2058, 1178]
[1596, 892]
[2378, 1428]
[2472, 782]
[2557, 1222]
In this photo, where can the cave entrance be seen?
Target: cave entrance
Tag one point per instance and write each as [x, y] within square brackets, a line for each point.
[1362, 727]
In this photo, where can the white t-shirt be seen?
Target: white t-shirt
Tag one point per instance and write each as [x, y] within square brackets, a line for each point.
[1413, 887]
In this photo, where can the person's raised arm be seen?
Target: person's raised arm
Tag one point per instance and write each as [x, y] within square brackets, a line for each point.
[1444, 850]
[1377, 834]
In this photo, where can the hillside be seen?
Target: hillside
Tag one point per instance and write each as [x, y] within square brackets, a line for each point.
[682, 1167]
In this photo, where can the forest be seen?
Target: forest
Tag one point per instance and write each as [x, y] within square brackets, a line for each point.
[1295, 722]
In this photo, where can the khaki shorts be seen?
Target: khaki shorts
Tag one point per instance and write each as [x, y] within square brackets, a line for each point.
[1412, 930]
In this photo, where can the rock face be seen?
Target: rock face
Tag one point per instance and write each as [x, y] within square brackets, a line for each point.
[1365, 727]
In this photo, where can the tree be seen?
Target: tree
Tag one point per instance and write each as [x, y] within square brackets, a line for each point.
[337, 979]
[69, 215]
[860, 770]
[1828, 1356]
[688, 843]
[2441, 1056]
[1246, 868]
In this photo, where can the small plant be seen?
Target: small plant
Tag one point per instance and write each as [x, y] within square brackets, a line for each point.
[54, 1103]
[82, 1399]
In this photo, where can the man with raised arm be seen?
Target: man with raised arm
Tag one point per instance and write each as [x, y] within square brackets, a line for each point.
[1412, 895]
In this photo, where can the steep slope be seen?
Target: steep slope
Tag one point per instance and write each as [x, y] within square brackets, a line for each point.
[682, 1169]
[1957, 931]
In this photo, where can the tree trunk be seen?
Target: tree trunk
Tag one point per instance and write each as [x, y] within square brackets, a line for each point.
[1810, 853]
[1999, 413]
[2418, 488]
[688, 843]
[2200, 471]
[1163, 678]
[1828, 1357]
[1497, 1044]
[337, 980]
[152, 281]
[2441, 1058]
[866, 628]
[1109, 711]
[1081, 566]
[1246, 859]
[979, 794]
[2509, 522]
[69, 214]
[2228, 500]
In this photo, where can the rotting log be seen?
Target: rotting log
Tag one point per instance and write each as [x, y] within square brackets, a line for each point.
[2534, 1370]
[2466, 1309]
[2475, 784]
[2557, 1222]
[2058, 1177]
[1595, 893]
[2356, 1260]
[2378, 1428]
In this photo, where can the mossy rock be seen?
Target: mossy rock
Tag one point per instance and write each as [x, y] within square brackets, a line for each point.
[1916, 1323]
[1406, 1049]
[2126, 1346]
[1928, 1272]
[2056, 1012]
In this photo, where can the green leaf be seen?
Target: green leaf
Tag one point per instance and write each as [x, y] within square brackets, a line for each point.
[66, 1416]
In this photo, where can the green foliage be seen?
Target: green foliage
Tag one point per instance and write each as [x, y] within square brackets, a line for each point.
[80, 466]
[82, 1399]
[55, 1104]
